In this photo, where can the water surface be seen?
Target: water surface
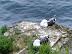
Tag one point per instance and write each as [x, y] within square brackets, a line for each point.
[16, 11]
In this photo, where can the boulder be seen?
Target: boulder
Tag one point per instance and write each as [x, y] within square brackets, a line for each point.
[58, 35]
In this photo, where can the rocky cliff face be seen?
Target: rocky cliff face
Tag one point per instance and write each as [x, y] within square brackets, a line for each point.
[58, 35]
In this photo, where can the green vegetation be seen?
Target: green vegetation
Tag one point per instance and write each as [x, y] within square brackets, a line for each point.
[43, 49]
[17, 32]
[3, 29]
[46, 49]
[6, 45]
[17, 48]
[67, 52]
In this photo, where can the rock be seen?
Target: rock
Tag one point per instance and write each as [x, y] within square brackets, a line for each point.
[52, 44]
[64, 36]
[23, 51]
[10, 31]
[57, 34]
[64, 40]
[30, 29]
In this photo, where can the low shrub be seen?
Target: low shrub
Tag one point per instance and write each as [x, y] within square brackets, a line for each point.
[17, 32]
[3, 29]
[67, 51]
[44, 49]
[6, 45]
[17, 48]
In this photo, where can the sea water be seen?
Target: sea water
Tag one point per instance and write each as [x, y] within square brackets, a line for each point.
[16, 11]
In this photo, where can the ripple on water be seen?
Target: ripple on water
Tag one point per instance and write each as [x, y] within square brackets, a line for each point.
[15, 11]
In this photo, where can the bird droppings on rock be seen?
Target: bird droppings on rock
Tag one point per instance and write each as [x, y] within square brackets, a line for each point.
[29, 28]
[57, 34]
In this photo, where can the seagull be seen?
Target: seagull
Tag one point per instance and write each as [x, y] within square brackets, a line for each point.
[48, 22]
[38, 42]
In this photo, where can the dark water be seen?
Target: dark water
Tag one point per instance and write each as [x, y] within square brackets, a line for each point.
[16, 11]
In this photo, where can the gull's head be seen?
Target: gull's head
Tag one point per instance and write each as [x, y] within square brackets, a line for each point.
[54, 19]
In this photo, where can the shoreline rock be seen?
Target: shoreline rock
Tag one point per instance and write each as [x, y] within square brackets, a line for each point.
[58, 35]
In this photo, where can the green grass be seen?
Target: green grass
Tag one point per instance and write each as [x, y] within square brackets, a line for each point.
[3, 29]
[17, 48]
[17, 32]
[67, 52]
[43, 49]
[6, 45]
